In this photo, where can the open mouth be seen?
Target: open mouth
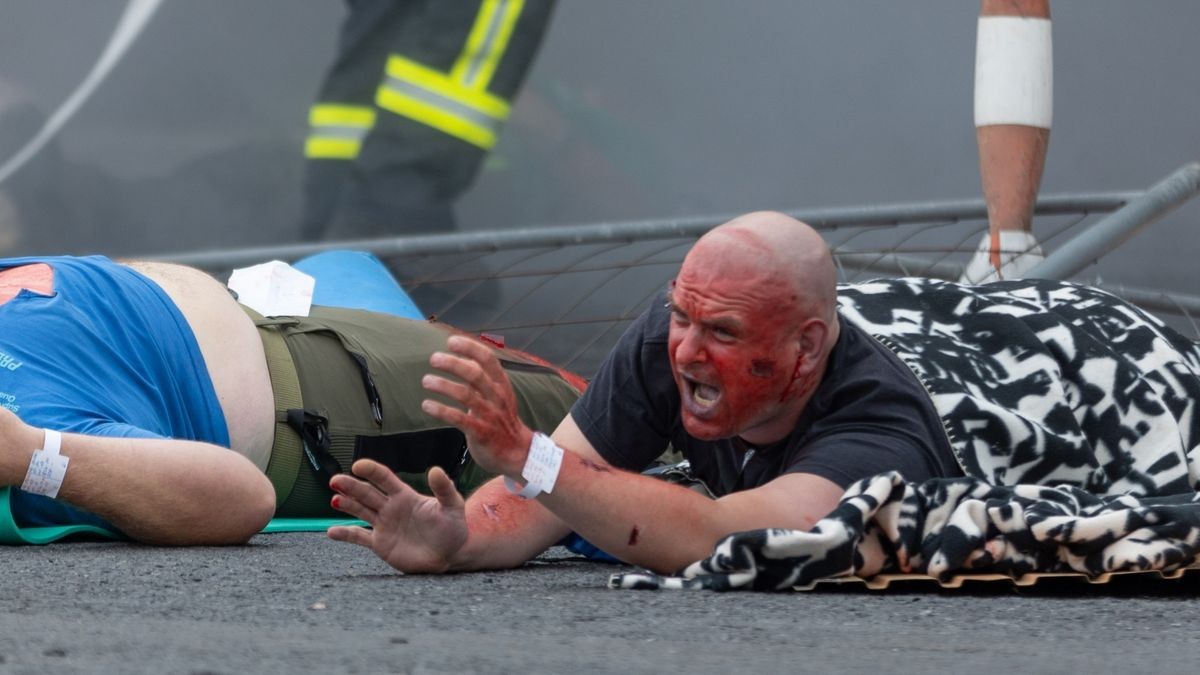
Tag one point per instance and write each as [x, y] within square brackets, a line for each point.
[701, 396]
[705, 394]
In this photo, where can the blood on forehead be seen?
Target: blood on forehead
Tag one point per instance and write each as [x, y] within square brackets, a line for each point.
[759, 299]
[737, 262]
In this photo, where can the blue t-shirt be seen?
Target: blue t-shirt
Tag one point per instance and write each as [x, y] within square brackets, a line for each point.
[106, 354]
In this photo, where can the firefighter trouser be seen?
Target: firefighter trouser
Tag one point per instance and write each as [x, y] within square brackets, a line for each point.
[412, 104]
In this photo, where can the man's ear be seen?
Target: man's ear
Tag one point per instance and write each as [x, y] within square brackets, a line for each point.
[810, 341]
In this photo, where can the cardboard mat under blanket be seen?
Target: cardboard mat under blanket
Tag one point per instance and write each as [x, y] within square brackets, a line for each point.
[953, 528]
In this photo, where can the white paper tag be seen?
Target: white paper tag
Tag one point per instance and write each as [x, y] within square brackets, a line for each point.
[544, 463]
[541, 468]
[273, 288]
[47, 468]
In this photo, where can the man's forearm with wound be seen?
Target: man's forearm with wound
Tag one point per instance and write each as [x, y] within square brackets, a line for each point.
[638, 519]
[504, 530]
[641, 520]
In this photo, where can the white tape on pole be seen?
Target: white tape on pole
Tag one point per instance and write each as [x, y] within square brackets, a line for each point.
[1014, 72]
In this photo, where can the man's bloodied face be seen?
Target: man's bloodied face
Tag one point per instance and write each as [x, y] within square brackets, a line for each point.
[733, 347]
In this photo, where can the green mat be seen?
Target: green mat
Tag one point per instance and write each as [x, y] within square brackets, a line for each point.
[308, 524]
[11, 533]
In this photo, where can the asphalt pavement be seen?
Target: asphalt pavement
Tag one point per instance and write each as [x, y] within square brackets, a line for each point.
[299, 603]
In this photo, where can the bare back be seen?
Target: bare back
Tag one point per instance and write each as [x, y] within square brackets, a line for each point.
[232, 351]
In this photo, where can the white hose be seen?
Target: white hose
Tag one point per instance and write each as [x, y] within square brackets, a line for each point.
[137, 13]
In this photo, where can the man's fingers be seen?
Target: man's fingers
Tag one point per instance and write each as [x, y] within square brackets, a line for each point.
[360, 491]
[443, 489]
[452, 390]
[448, 414]
[480, 354]
[470, 361]
[469, 371]
[370, 494]
[470, 348]
[351, 535]
[378, 475]
[354, 507]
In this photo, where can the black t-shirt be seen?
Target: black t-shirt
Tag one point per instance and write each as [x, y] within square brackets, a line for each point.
[869, 415]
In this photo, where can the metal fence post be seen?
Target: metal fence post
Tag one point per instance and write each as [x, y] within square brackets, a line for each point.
[1115, 228]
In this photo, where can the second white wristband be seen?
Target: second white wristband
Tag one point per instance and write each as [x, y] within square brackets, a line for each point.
[541, 468]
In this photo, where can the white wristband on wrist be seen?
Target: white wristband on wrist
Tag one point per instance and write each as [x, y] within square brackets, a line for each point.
[541, 468]
[47, 468]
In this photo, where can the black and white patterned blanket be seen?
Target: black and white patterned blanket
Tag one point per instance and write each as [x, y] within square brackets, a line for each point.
[1072, 413]
[951, 526]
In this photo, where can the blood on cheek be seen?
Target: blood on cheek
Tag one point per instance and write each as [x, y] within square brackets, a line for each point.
[762, 368]
[759, 375]
[800, 386]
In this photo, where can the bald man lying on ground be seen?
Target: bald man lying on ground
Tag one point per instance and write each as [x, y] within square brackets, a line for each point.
[144, 399]
[781, 394]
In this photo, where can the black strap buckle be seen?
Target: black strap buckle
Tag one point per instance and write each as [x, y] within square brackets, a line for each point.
[314, 431]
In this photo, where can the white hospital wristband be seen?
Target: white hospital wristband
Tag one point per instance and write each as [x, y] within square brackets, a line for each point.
[541, 468]
[47, 468]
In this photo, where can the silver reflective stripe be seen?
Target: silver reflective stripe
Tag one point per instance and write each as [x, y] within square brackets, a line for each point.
[444, 103]
[347, 133]
[485, 48]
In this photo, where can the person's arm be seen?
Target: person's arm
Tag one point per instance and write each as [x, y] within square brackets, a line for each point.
[638, 519]
[494, 529]
[156, 491]
[641, 520]
[661, 526]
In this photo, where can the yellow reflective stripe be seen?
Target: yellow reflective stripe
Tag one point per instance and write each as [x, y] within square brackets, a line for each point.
[331, 148]
[442, 85]
[460, 127]
[486, 43]
[434, 99]
[324, 114]
[336, 131]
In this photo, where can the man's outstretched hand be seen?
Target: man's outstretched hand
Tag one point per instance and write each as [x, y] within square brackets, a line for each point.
[411, 532]
[487, 407]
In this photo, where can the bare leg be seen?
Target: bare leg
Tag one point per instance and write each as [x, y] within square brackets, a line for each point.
[1011, 160]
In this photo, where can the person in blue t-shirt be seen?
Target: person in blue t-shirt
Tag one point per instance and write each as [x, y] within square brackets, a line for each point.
[143, 399]
[150, 383]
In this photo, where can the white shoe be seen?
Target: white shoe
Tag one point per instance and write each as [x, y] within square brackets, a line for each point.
[1019, 253]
